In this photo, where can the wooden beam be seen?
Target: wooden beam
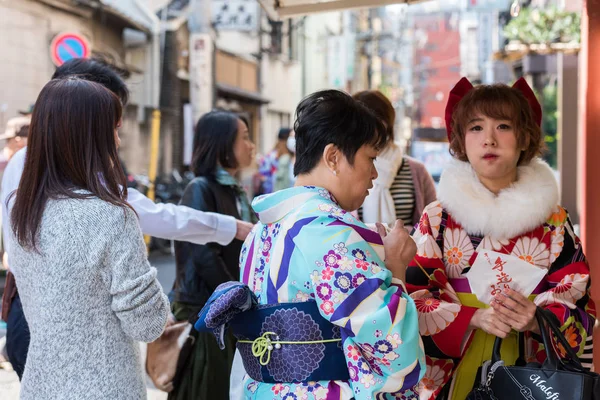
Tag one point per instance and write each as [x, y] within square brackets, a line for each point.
[288, 9]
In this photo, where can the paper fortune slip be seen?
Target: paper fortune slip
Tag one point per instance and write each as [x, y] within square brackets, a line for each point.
[493, 272]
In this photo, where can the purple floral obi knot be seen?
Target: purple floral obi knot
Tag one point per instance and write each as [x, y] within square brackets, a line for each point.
[279, 343]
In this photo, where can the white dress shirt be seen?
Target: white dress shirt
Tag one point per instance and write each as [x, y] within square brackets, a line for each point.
[166, 221]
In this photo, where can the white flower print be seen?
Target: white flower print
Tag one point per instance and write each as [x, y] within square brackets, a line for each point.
[391, 356]
[301, 296]
[489, 243]
[301, 393]
[533, 251]
[346, 264]
[394, 340]
[375, 269]
[557, 241]
[325, 207]
[325, 194]
[571, 288]
[427, 247]
[367, 380]
[433, 379]
[434, 315]
[337, 212]
[340, 248]
[320, 393]
[434, 220]
[458, 250]
[258, 285]
[315, 277]
[339, 297]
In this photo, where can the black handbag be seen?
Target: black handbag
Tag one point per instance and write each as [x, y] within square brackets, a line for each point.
[555, 379]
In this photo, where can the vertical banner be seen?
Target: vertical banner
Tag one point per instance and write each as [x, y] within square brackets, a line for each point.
[336, 61]
[201, 74]
[188, 133]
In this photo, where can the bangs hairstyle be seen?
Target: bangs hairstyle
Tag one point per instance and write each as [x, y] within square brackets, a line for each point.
[71, 146]
[334, 117]
[214, 139]
[381, 106]
[500, 102]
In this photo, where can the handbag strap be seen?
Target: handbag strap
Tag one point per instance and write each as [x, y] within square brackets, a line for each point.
[546, 324]
[550, 321]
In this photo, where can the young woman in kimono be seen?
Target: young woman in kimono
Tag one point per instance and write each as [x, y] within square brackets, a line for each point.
[309, 254]
[495, 195]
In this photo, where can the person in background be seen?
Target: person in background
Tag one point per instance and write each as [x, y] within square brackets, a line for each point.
[15, 138]
[403, 187]
[274, 167]
[161, 220]
[222, 148]
[283, 178]
[78, 254]
[495, 195]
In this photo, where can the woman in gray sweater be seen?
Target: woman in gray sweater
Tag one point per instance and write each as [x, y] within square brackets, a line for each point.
[88, 291]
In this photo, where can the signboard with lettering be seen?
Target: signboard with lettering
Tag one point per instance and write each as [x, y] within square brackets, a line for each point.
[235, 15]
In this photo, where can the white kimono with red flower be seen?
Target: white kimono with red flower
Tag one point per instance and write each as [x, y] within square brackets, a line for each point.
[524, 221]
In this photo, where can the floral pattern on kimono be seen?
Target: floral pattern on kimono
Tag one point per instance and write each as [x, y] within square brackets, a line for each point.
[307, 248]
[446, 252]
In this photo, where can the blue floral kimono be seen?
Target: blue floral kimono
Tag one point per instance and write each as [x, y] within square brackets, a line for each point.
[306, 248]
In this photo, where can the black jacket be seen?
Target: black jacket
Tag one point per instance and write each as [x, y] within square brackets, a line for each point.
[201, 268]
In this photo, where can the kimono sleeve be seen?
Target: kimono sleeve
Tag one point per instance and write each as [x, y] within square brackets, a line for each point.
[442, 318]
[354, 290]
[568, 280]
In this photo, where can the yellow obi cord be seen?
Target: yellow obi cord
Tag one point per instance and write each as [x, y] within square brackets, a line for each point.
[264, 345]
[480, 350]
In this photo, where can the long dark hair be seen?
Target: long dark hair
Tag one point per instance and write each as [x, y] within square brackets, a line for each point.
[71, 146]
[214, 138]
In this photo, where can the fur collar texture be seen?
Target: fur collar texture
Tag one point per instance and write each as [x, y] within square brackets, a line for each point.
[516, 210]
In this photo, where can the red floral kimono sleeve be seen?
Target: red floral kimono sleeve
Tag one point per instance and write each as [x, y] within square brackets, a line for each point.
[568, 286]
[443, 320]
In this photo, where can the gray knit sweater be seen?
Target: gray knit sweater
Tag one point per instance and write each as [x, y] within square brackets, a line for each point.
[88, 296]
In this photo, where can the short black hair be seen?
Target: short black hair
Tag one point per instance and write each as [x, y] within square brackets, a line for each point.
[95, 70]
[214, 138]
[333, 117]
[283, 133]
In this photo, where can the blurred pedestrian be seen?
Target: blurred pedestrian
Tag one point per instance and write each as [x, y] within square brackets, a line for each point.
[403, 187]
[78, 254]
[274, 167]
[15, 138]
[222, 147]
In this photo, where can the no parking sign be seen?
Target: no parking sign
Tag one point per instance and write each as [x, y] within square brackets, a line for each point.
[66, 46]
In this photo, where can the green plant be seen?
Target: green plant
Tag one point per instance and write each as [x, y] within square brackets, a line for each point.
[544, 26]
[550, 124]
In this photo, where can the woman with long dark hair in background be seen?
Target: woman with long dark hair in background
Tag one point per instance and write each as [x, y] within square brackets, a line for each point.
[79, 259]
[222, 147]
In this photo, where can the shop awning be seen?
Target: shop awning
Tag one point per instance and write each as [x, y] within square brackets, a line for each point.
[240, 94]
[291, 8]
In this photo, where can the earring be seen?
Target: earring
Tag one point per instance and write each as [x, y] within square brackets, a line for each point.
[334, 173]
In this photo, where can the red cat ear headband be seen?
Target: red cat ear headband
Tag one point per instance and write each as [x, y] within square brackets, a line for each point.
[464, 86]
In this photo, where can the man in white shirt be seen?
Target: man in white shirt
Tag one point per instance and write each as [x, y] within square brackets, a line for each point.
[166, 221]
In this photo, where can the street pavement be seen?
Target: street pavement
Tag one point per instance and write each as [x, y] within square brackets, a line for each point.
[9, 382]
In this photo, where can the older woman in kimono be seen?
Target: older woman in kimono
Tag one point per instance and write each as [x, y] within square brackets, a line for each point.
[495, 197]
[333, 319]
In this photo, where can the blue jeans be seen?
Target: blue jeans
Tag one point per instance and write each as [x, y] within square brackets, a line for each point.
[17, 337]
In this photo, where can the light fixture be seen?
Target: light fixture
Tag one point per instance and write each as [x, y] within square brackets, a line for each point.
[515, 8]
